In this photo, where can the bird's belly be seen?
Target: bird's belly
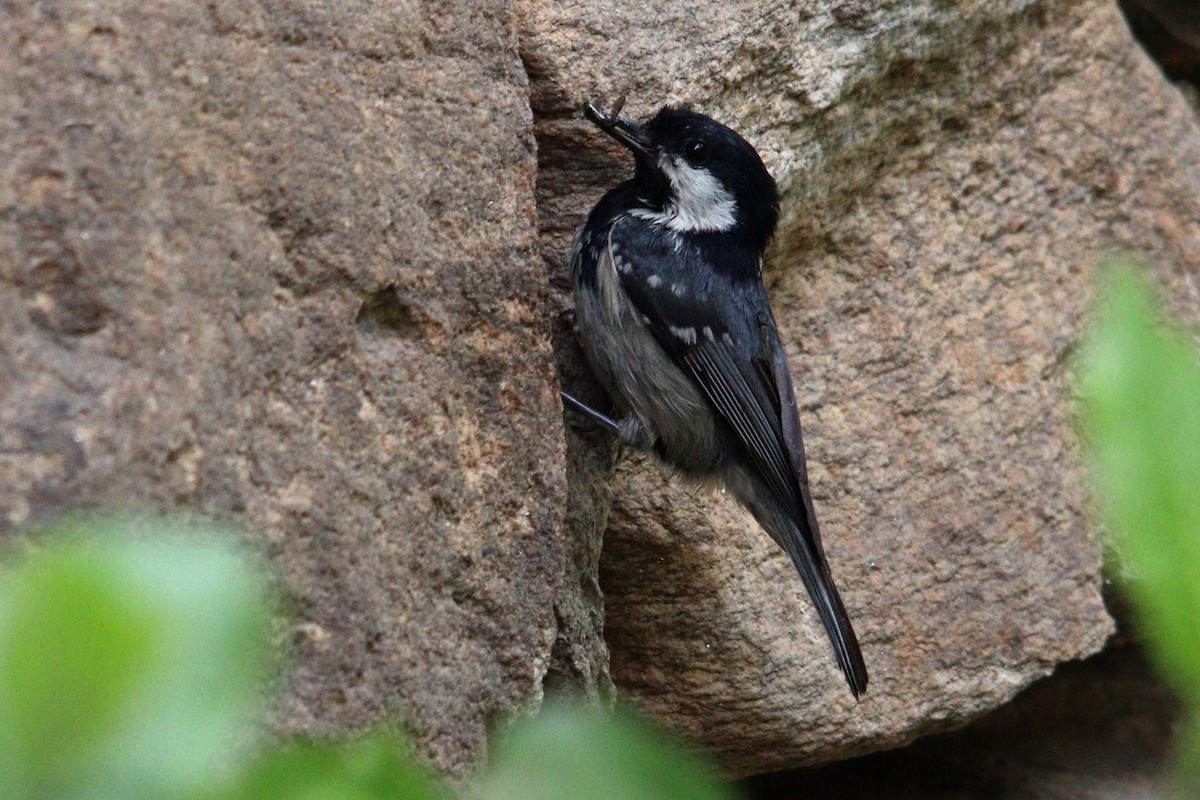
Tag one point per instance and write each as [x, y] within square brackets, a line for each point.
[647, 384]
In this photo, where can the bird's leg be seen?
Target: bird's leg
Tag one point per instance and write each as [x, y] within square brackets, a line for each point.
[603, 420]
[631, 431]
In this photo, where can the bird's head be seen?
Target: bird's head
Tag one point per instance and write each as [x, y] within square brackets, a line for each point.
[695, 175]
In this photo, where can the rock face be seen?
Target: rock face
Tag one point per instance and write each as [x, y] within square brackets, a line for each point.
[278, 263]
[1098, 729]
[287, 264]
[950, 177]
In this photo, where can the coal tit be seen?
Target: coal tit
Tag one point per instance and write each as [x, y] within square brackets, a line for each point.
[671, 309]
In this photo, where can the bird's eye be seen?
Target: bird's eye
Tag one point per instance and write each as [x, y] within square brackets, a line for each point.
[696, 151]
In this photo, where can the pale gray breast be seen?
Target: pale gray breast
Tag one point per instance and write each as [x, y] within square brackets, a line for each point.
[637, 372]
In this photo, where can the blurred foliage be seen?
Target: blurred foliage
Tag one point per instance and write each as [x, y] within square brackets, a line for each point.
[1140, 382]
[129, 661]
[375, 768]
[134, 662]
[598, 758]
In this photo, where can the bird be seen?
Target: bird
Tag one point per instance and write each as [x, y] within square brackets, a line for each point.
[675, 322]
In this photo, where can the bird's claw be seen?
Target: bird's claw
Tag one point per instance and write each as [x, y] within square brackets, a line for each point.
[603, 420]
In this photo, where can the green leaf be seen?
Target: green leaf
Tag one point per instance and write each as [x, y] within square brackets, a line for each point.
[131, 654]
[1141, 400]
[376, 768]
[569, 753]
[1187, 775]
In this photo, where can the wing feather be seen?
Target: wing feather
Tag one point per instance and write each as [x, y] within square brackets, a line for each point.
[733, 353]
[739, 396]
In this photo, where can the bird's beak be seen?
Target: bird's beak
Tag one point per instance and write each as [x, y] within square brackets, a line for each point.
[626, 131]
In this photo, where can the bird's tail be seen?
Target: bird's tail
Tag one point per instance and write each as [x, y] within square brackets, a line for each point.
[800, 539]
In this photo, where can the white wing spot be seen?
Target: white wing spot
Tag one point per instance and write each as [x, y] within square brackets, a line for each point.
[678, 289]
[727, 339]
[685, 335]
[654, 281]
[708, 334]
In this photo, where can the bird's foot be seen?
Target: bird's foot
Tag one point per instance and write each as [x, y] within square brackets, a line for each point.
[631, 431]
[603, 420]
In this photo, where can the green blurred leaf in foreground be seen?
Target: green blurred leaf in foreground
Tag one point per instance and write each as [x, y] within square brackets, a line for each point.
[1141, 403]
[131, 657]
[375, 768]
[571, 753]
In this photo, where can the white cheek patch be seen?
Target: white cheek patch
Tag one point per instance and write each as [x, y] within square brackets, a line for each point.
[698, 200]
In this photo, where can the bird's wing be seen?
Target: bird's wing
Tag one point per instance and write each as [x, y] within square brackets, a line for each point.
[723, 335]
[789, 418]
[720, 330]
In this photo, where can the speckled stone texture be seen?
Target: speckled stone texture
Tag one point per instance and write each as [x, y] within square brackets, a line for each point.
[951, 174]
[1099, 729]
[277, 263]
[301, 265]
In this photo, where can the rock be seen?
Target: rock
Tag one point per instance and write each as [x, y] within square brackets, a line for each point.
[1099, 729]
[277, 263]
[950, 177]
[282, 264]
